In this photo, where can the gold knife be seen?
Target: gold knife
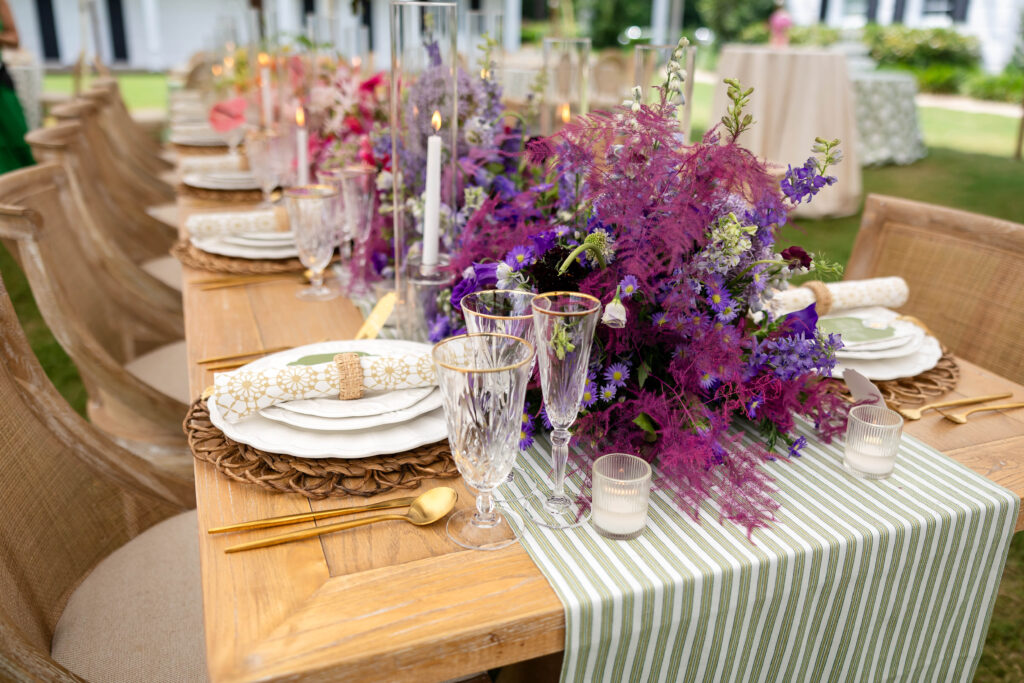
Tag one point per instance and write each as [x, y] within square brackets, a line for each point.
[311, 516]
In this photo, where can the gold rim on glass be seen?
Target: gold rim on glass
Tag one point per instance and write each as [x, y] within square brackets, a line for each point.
[567, 314]
[491, 316]
[310, 192]
[466, 371]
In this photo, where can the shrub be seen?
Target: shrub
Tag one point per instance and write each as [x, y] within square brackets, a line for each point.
[1005, 87]
[897, 45]
[815, 34]
[728, 18]
[940, 78]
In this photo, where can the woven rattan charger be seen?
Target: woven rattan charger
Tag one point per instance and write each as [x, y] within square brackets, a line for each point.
[314, 478]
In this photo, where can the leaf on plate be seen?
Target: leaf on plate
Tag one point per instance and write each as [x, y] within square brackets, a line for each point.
[320, 358]
[853, 329]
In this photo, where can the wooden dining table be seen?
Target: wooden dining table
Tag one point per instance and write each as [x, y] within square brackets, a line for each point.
[394, 602]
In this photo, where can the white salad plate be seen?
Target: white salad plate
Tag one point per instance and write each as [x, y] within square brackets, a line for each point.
[216, 244]
[917, 352]
[261, 240]
[222, 180]
[278, 437]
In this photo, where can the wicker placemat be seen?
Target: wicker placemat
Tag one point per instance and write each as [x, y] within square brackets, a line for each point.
[314, 478]
[234, 196]
[912, 391]
[193, 257]
[198, 150]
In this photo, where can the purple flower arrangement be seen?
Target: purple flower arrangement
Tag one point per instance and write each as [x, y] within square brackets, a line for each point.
[679, 242]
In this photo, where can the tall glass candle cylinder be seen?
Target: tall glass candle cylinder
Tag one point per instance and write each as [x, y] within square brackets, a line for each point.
[424, 134]
[567, 70]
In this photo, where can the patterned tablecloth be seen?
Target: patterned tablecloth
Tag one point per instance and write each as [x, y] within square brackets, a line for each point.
[887, 118]
[855, 581]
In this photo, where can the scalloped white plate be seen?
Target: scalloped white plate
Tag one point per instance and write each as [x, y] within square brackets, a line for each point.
[216, 245]
[345, 424]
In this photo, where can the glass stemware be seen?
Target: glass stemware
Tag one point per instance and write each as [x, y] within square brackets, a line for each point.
[310, 208]
[563, 325]
[503, 311]
[358, 186]
[332, 176]
[483, 380]
[263, 149]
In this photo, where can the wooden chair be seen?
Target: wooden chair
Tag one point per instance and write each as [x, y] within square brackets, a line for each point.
[100, 571]
[137, 254]
[965, 272]
[139, 135]
[136, 377]
[120, 132]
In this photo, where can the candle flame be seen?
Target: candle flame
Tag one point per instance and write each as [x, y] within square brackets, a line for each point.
[483, 74]
[563, 111]
[216, 69]
[229, 62]
[300, 117]
[263, 59]
[435, 120]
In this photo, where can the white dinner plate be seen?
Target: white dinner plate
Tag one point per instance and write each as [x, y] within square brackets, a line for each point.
[261, 240]
[910, 343]
[922, 360]
[346, 424]
[217, 245]
[221, 180]
[277, 437]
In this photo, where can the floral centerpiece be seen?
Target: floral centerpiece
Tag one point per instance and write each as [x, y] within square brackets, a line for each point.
[679, 242]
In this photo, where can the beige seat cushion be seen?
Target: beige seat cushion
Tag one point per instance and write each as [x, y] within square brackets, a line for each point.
[166, 213]
[164, 369]
[166, 269]
[138, 616]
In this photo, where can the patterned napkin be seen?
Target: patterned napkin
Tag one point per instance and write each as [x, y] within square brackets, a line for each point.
[236, 222]
[244, 392]
[890, 292]
[206, 164]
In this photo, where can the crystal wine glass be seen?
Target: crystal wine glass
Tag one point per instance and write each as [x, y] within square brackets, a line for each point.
[504, 311]
[309, 212]
[333, 176]
[563, 326]
[359, 189]
[483, 380]
[263, 149]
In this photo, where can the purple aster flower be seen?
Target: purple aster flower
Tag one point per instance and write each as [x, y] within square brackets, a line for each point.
[589, 396]
[753, 406]
[608, 392]
[718, 298]
[628, 286]
[544, 418]
[798, 443]
[617, 374]
[660, 319]
[520, 257]
[707, 381]
[525, 440]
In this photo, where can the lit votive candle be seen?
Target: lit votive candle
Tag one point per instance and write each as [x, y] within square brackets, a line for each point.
[872, 440]
[622, 487]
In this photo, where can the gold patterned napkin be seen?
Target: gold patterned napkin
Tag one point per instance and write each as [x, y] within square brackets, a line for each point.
[236, 222]
[890, 292]
[244, 392]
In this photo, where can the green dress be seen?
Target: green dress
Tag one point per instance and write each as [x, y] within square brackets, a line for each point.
[14, 151]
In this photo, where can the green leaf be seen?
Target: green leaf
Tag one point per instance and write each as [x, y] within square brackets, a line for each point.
[644, 422]
[321, 358]
[642, 373]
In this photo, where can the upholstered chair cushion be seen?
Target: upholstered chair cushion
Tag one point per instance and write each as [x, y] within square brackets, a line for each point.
[164, 369]
[167, 213]
[138, 616]
[166, 269]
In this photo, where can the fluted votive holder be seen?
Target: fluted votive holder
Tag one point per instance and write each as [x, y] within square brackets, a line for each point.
[426, 291]
[622, 490]
[872, 439]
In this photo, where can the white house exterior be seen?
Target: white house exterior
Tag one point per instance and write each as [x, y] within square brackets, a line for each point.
[996, 23]
[159, 34]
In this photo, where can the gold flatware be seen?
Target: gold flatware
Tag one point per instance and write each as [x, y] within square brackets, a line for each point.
[961, 418]
[378, 316]
[231, 279]
[244, 283]
[426, 509]
[915, 413]
[311, 516]
[241, 354]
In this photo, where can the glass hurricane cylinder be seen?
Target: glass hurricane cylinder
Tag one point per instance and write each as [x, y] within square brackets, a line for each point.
[424, 130]
[567, 75]
[478, 27]
[483, 380]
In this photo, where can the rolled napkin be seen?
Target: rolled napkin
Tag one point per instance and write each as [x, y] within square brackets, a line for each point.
[890, 292]
[236, 222]
[241, 393]
[206, 164]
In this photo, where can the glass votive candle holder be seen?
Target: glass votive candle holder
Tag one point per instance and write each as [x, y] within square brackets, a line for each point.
[622, 489]
[872, 439]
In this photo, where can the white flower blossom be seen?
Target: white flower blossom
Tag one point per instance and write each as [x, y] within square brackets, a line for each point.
[614, 314]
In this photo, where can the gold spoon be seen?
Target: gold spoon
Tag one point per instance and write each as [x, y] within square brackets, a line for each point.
[961, 418]
[426, 509]
[915, 413]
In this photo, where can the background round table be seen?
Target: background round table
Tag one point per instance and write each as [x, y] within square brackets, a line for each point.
[799, 94]
[887, 117]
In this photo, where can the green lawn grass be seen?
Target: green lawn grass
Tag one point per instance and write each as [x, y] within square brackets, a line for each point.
[968, 167]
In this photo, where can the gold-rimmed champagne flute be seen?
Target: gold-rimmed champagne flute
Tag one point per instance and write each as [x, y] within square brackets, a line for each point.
[563, 326]
[310, 208]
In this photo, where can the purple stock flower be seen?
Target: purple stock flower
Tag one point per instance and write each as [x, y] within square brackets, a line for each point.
[628, 286]
[804, 182]
[543, 242]
[504, 187]
[617, 374]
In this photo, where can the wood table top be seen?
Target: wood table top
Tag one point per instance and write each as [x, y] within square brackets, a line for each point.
[391, 601]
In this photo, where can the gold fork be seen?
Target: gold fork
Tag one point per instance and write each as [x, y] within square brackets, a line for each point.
[961, 418]
[915, 413]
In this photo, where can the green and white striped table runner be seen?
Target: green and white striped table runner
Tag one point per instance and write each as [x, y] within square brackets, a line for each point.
[855, 581]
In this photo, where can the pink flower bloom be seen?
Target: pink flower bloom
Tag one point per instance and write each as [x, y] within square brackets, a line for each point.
[228, 115]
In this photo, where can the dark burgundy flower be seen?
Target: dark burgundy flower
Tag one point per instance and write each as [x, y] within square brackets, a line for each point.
[797, 256]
